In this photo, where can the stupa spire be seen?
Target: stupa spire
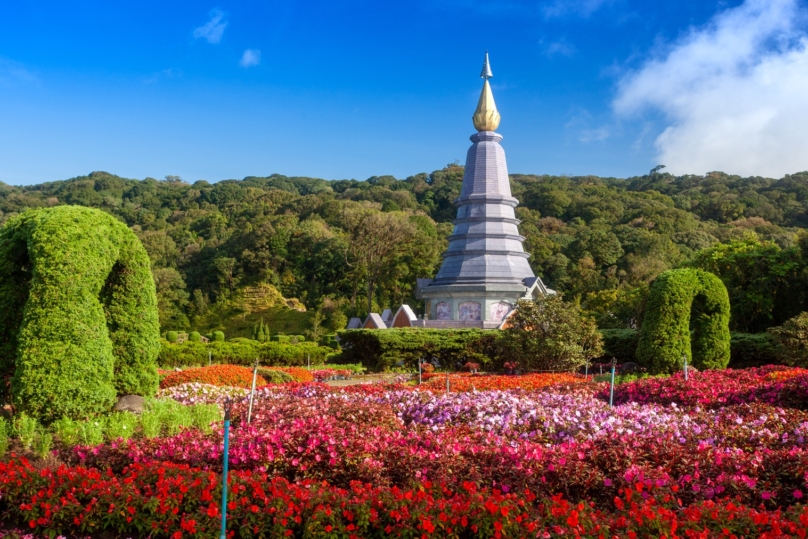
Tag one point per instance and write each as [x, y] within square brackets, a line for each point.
[486, 117]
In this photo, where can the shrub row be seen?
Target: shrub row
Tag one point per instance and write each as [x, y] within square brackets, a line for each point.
[380, 350]
[243, 352]
[746, 349]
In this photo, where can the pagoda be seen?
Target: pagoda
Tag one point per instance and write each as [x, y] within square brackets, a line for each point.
[485, 269]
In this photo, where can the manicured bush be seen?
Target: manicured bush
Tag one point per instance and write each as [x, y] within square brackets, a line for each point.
[78, 312]
[243, 352]
[380, 350]
[194, 336]
[218, 336]
[792, 338]
[620, 344]
[275, 376]
[171, 336]
[680, 299]
[281, 338]
[753, 350]
[550, 334]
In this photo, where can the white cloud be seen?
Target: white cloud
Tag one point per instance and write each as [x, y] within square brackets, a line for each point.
[559, 48]
[584, 8]
[251, 57]
[11, 71]
[734, 93]
[212, 30]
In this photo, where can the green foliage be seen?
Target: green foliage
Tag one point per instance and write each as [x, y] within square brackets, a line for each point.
[203, 416]
[680, 302]
[384, 350]
[25, 428]
[67, 431]
[549, 334]
[43, 444]
[4, 435]
[171, 336]
[91, 432]
[78, 312]
[753, 350]
[241, 353]
[792, 338]
[275, 376]
[620, 344]
[586, 235]
[356, 368]
[218, 336]
[120, 425]
[763, 281]
[194, 336]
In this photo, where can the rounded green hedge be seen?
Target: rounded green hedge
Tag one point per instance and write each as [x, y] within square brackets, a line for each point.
[78, 312]
[241, 353]
[194, 336]
[681, 301]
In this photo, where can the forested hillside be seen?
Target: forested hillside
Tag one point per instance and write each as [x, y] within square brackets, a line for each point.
[600, 241]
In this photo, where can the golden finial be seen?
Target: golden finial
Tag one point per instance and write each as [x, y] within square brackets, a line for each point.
[486, 117]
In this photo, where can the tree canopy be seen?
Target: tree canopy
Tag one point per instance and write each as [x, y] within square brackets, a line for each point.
[600, 241]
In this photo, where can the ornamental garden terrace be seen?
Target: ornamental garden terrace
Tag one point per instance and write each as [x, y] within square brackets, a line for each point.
[505, 410]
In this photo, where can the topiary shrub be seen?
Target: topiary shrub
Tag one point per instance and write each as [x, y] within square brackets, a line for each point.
[194, 336]
[273, 376]
[679, 300]
[381, 350]
[78, 312]
[281, 338]
[241, 353]
[172, 336]
[218, 336]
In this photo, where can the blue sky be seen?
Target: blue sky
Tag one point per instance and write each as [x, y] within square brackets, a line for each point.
[353, 89]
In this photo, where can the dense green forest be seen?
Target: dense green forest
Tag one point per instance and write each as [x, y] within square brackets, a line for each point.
[344, 246]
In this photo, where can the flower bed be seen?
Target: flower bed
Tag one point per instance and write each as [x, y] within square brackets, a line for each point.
[775, 385]
[481, 382]
[390, 460]
[178, 501]
[216, 375]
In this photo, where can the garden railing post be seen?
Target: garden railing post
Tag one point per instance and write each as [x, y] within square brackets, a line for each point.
[611, 391]
[252, 392]
[447, 383]
[210, 358]
[586, 372]
[227, 406]
[419, 372]
[308, 361]
[684, 358]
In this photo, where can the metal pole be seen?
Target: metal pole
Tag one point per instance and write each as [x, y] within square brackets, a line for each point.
[447, 383]
[611, 392]
[419, 372]
[210, 360]
[252, 392]
[308, 361]
[227, 405]
[586, 372]
[685, 360]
